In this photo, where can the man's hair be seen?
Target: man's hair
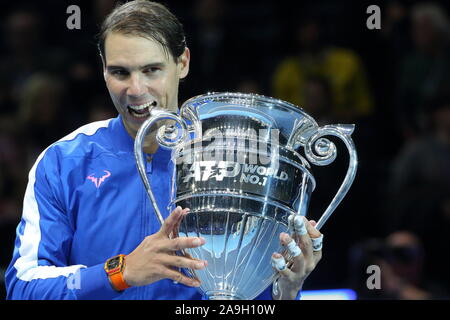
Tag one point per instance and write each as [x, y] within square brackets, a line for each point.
[145, 19]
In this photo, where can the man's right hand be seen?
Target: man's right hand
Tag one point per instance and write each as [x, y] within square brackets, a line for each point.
[155, 259]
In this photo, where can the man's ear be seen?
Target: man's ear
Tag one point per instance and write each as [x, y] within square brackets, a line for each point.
[183, 63]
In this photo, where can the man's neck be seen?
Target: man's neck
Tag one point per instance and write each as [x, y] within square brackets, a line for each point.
[149, 145]
[151, 148]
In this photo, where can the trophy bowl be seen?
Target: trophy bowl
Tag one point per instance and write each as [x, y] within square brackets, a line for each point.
[237, 166]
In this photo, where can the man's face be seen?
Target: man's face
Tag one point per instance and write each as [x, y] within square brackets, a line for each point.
[140, 75]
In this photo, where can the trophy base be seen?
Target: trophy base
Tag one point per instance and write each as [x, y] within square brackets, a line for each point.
[223, 295]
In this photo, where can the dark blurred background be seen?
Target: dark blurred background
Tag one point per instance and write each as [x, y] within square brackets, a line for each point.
[393, 83]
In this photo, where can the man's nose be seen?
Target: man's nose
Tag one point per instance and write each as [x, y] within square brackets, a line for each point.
[136, 86]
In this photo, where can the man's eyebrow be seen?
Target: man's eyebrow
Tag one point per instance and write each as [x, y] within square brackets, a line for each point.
[147, 66]
[153, 65]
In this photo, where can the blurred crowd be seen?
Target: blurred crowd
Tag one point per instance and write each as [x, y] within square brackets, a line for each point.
[393, 83]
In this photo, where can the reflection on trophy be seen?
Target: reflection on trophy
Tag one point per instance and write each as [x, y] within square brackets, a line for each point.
[238, 165]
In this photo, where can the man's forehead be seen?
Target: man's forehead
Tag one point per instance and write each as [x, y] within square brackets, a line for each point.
[124, 49]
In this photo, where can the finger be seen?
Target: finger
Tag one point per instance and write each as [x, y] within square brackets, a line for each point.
[317, 248]
[294, 250]
[311, 229]
[317, 244]
[171, 221]
[296, 226]
[316, 239]
[181, 243]
[178, 277]
[303, 239]
[184, 262]
[176, 228]
[279, 264]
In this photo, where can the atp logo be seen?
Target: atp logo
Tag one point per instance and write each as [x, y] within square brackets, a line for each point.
[98, 181]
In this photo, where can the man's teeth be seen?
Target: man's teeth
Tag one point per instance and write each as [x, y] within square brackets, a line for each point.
[142, 106]
[141, 111]
[139, 115]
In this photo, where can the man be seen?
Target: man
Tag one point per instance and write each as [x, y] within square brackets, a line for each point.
[85, 204]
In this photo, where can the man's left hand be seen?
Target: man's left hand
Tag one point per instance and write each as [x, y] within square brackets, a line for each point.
[305, 258]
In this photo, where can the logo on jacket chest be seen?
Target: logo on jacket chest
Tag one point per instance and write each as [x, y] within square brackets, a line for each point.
[98, 179]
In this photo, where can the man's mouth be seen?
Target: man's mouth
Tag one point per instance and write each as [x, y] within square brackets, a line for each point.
[142, 110]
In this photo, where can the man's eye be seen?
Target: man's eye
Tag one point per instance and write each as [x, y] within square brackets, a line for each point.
[119, 73]
[152, 70]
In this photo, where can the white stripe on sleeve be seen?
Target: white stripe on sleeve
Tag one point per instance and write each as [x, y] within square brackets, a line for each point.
[27, 264]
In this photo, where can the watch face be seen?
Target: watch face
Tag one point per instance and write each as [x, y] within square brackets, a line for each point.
[113, 263]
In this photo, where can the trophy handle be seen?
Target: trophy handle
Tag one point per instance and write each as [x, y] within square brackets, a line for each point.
[167, 136]
[325, 153]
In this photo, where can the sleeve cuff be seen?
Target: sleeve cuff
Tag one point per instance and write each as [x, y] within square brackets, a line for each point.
[94, 284]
